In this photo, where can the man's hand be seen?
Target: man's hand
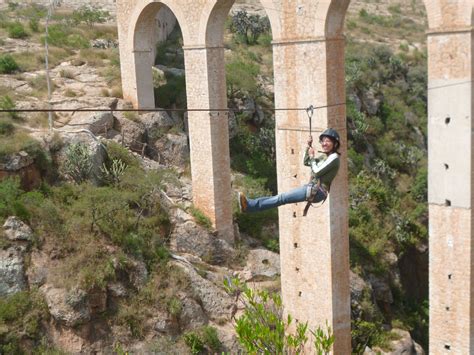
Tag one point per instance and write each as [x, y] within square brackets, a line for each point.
[310, 140]
[311, 152]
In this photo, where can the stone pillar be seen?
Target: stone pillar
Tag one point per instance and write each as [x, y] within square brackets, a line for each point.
[450, 194]
[314, 250]
[209, 135]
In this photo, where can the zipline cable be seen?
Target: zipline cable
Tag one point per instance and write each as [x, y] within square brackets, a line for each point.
[166, 110]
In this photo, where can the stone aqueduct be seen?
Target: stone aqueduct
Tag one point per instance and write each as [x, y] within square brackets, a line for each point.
[308, 56]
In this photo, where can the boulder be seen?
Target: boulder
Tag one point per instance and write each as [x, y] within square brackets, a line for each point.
[68, 307]
[38, 269]
[12, 271]
[103, 43]
[16, 161]
[370, 103]
[381, 287]
[98, 123]
[156, 122]
[171, 149]
[139, 274]
[117, 289]
[190, 238]
[131, 133]
[192, 316]
[164, 324]
[21, 165]
[15, 229]
[261, 265]
[404, 345]
[214, 300]
[171, 71]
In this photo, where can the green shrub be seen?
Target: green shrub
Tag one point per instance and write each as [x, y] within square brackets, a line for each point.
[262, 329]
[78, 163]
[118, 152]
[34, 25]
[6, 127]
[210, 339]
[7, 64]
[173, 93]
[21, 316]
[61, 36]
[17, 30]
[7, 103]
[89, 15]
[241, 77]
[200, 217]
[194, 342]
[10, 203]
[248, 28]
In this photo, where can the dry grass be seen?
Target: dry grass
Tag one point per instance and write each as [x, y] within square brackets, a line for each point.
[63, 73]
[40, 86]
[37, 120]
[95, 57]
[117, 92]
[70, 93]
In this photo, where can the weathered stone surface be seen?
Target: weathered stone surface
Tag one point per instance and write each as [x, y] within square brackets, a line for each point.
[21, 165]
[215, 301]
[381, 287]
[192, 316]
[261, 265]
[133, 134]
[164, 324]
[38, 269]
[15, 229]
[117, 289]
[15, 162]
[98, 123]
[188, 237]
[171, 149]
[155, 122]
[68, 307]
[12, 271]
[170, 71]
[403, 346]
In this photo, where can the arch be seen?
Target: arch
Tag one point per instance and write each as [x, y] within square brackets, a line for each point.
[215, 14]
[444, 13]
[440, 13]
[336, 14]
[143, 15]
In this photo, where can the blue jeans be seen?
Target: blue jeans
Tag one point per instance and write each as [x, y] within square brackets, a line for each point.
[293, 196]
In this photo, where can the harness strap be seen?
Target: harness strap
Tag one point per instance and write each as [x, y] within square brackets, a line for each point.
[312, 193]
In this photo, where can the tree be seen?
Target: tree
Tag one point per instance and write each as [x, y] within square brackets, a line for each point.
[262, 328]
[249, 27]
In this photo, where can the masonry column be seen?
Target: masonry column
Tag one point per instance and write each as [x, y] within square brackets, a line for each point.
[209, 135]
[314, 250]
[450, 194]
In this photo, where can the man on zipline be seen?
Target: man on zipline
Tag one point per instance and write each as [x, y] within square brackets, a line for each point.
[323, 170]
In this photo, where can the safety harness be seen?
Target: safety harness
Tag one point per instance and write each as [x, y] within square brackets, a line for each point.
[312, 189]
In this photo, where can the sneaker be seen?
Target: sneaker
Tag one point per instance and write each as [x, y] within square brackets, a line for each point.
[242, 202]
